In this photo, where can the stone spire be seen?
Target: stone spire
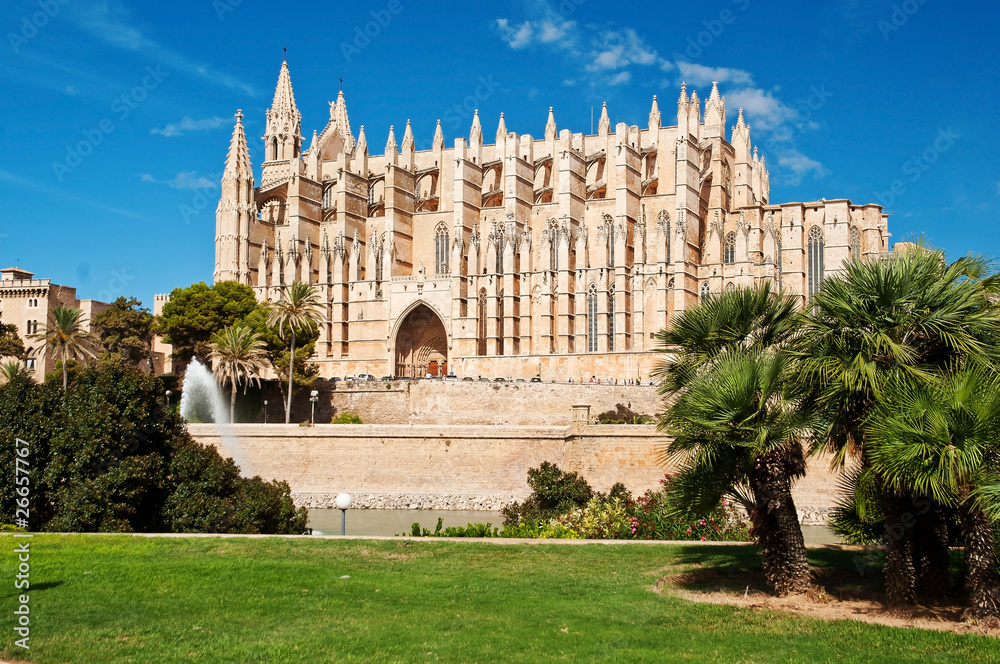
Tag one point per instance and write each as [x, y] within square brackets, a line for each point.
[550, 126]
[501, 130]
[604, 124]
[438, 142]
[476, 133]
[339, 119]
[391, 149]
[683, 99]
[283, 136]
[408, 145]
[235, 212]
[654, 115]
[362, 146]
[715, 113]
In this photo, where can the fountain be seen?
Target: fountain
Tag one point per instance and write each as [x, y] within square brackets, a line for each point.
[202, 402]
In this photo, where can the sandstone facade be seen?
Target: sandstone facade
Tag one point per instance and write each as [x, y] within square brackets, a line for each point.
[558, 255]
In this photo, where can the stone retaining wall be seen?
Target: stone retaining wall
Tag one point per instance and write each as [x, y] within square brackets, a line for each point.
[462, 467]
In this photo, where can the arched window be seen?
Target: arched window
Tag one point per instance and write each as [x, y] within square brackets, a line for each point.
[481, 323]
[704, 292]
[592, 318]
[729, 249]
[815, 255]
[441, 249]
[611, 318]
[328, 197]
[500, 323]
[730, 287]
[855, 244]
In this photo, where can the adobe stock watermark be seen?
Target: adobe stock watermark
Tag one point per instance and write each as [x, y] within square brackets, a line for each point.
[801, 115]
[223, 7]
[486, 86]
[363, 37]
[116, 285]
[893, 532]
[31, 25]
[204, 198]
[22, 580]
[917, 165]
[899, 17]
[121, 107]
[699, 43]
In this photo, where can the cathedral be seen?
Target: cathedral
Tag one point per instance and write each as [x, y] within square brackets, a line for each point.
[558, 257]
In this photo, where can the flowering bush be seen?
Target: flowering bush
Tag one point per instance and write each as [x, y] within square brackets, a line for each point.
[652, 520]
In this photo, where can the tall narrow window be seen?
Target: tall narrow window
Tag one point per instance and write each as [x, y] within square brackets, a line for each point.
[328, 197]
[592, 318]
[481, 323]
[815, 254]
[704, 292]
[371, 194]
[378, 263]
[441, 249]
[855, 244]
[611, 244]
[611, 318]
[553, 249]
[729, 249]
[499, 257]
[500, 323]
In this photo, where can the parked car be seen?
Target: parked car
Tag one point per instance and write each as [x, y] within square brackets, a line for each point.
[520, 380]
[499, 380]
[469, 378]
[484, 379]
[351, 378]
[535, 379]
[451, 377]
[365, 377]
[386, 378]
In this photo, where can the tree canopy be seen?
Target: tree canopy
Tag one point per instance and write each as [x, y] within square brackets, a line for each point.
[198, 311]
[126, 331]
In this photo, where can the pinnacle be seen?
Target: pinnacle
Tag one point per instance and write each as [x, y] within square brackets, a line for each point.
[238, 159]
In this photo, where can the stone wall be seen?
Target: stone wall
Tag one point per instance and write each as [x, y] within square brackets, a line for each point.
[461, 467]
[454, 402]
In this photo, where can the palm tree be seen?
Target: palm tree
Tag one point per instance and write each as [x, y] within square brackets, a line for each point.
[299, 308]
[238, 354]
[66, 335]
[909, 317]
[737, 419]
[939, 439]
[10, 370]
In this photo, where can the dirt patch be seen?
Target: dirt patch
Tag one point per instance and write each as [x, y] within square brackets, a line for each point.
[833, 595]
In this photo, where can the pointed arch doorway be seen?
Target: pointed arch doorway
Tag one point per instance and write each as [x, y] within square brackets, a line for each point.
[421, 344]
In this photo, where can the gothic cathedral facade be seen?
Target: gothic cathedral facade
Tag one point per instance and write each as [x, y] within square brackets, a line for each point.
[559, 256]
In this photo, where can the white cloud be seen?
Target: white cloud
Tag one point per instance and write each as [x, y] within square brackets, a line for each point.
[70, 90]
[763, 110]
[550, 32]
[615, 49]
[701, 75]
[188, 124]
[800, 166]
[184, 180]
[516, 37]
[998, 187]
[620, 77]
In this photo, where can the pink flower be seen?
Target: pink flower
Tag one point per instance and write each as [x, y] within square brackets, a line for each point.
[689, 530]
[703, 538]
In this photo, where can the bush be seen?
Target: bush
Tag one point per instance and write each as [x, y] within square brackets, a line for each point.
[107, 456]
[553, 492]
[346, 417]
[521, 530]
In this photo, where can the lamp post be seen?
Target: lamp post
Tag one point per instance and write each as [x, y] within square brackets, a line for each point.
[168, 393]
[313, 397]
[343, 502]
[265, 411]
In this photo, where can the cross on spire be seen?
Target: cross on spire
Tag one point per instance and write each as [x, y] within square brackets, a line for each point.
[341, 83]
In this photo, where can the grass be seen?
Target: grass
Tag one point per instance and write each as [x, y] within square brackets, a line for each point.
[125, 599]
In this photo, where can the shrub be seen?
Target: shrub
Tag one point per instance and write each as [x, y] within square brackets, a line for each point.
[107, 456]
[654, 517]
[553, 492]
[346, 417]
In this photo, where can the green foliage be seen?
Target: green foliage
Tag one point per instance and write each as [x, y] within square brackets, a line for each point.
[11, 344]
[126, 331]
[553, 492]
[195, 313]
[346, 417]
[622, 414]
[107, 456]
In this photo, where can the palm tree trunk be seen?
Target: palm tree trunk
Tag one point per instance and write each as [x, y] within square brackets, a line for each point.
[232, 404]
[934, 582]
[65, 372]
[900, 572]
[291, 368]
[981, 580]
[776, 525]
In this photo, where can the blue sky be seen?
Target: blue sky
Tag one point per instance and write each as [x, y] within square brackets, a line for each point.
[116, 115]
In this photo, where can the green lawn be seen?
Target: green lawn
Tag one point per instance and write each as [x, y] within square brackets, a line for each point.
[125, 599]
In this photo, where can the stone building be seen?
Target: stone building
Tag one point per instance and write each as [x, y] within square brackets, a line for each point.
[25, 302]
[560, 255]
